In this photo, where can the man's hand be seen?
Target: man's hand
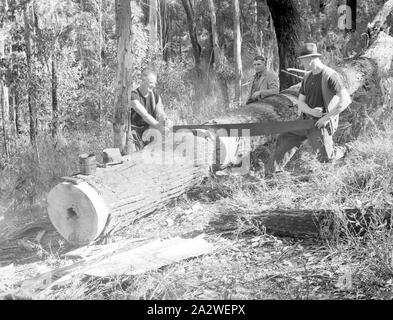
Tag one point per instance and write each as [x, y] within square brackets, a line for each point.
[322, 122]
[168, 123]
[163, 129]
[255, 95]
[316, 112]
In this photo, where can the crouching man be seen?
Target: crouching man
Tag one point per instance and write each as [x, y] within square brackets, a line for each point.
[147, 110]
[322, 97]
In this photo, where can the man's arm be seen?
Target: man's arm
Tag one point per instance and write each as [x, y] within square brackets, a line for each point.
[273, 87]
[161, 115]
[343, 101]
[339, 103]
[141, 110]
[303, 107]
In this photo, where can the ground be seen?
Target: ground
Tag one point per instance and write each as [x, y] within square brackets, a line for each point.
[248, 262]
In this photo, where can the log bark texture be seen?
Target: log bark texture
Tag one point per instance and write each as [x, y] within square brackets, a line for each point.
[304, 223]
[378, 24]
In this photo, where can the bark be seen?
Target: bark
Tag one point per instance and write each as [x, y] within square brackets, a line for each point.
[309, 223]
[237, 52]
[123, 75]
[192, 29]
[55, 108]
[286, 20]
[31, 97]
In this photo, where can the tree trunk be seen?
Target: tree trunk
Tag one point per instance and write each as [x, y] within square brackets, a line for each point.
[153, 22]
[192, 29]
[15, 102]
[100, 36]
[31, 96]
[123, 76]
[218, 54]
[4, 103]
[5, 112]
[301, 223]
[286, 20]
[165, 30]
[55, 107]
[237, 52]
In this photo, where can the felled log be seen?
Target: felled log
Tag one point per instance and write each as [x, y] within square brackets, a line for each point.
[301, 223]
[80, 206]
[378, 23]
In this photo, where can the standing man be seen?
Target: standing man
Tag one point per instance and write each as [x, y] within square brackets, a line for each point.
[322, 97]
[146, 110]
[265, 82]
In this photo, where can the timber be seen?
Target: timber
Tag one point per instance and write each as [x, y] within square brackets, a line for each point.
[126, 257]
[305, 223]
[378, 23]
[115, 196]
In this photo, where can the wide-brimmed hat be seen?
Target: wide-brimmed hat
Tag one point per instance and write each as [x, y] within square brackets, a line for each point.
[308, 50]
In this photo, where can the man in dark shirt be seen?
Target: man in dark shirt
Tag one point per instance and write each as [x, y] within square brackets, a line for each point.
[146, 110]
[322, 97]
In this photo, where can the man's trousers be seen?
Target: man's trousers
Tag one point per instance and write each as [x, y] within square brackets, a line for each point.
[321, 141]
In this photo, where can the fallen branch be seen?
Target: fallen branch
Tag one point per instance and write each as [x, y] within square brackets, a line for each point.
[300, 223]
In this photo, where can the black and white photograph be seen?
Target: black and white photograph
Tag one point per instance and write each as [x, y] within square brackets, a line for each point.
[209, 152]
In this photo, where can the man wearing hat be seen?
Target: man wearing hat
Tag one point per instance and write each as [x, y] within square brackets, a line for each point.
[265, 82]
[322, 97]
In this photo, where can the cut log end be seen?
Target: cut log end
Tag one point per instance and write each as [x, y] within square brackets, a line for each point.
[78, 212]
